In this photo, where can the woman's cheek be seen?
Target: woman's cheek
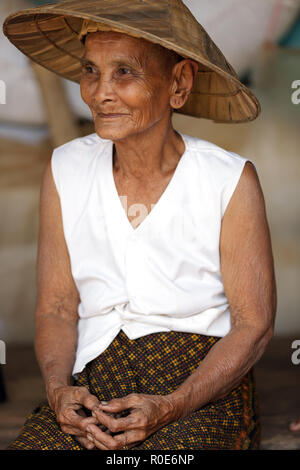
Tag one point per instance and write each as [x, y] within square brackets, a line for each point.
[87, 88]
[83, 91]
[135, 92]
[144, 116]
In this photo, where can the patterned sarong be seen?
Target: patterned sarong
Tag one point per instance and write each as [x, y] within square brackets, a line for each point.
[156, 364]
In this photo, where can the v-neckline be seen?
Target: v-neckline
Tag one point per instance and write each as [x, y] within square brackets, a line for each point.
[163, 197]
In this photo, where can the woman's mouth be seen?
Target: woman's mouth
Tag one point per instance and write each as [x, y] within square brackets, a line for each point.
[110, 115]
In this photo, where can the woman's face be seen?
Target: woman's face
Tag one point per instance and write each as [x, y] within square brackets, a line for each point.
[126, 83]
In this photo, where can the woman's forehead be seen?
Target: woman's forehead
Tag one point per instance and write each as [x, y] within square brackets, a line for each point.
[111, 44]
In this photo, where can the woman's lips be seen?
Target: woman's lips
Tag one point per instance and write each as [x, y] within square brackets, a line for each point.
[110, 116]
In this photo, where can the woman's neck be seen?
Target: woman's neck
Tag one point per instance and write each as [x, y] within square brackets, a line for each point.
[157, 150]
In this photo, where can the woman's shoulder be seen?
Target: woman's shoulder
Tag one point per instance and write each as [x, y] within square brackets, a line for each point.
[211, 153]
[74, 162]
[221, 167]
[78, 154]
[81, 145]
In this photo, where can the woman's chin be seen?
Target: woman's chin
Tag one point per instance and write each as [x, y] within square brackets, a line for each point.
[112, 132]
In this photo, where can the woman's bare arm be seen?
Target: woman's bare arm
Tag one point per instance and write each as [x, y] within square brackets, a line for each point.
[56, 314]
[249, 281]
[56, 318]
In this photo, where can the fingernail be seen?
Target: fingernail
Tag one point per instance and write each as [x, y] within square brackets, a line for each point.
[104, 403]
[94, 414]
[89, 429]
[90, 437]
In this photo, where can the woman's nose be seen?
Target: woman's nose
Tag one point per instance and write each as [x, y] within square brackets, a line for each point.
[104, 90]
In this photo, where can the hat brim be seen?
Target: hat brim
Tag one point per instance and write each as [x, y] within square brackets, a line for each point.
[49, 36]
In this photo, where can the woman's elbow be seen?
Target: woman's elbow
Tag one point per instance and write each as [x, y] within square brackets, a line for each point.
[263, 334]
[265, 326]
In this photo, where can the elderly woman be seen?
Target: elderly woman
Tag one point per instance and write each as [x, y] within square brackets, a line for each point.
[156, 288]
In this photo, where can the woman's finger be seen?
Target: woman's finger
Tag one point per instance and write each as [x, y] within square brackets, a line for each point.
[68, 429]
[104, 438]
[68, 416]
[73, 431]
[75, 422]
[119, 404]
[96, 443]
[113, 423]
[85, 442]
[89, 401]
[79, 432]
[130, 438]
[86, 421]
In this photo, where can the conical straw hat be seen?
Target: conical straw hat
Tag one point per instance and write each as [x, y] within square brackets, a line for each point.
[50, 36]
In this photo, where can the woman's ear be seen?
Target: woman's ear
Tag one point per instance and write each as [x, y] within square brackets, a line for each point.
[184, 74]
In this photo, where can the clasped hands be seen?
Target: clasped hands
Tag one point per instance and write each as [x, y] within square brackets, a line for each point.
[107, 429]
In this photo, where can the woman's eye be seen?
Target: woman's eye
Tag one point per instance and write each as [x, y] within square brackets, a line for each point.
[124, 71]
[87, 69]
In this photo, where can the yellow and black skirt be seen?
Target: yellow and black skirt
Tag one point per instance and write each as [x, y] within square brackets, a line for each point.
[156, 364]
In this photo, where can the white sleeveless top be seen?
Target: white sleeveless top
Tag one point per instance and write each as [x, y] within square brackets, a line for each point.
[165, 274]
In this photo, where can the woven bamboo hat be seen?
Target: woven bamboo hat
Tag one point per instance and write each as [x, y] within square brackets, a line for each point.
[50, 35]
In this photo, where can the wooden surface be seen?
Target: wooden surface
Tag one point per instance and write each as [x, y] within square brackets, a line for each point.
[277, 378]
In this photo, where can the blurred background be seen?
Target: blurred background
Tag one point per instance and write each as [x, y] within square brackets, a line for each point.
[261, 39]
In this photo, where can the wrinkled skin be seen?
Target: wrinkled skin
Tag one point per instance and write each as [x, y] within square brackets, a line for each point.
[131, 78]
[67, 402]
[137, 84]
